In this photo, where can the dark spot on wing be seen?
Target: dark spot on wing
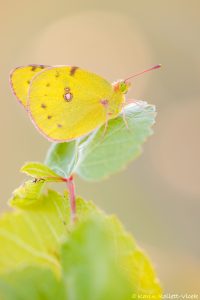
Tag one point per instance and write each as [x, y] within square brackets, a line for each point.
[33, 68]
[49, 117]
[68, 97]
[57, 74]
[48, 84]
[43, 105]
[59, 125]
[104, 102]
[73, 70]
[28, 81]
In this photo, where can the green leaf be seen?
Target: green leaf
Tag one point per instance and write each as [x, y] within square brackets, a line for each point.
[97, 156]
[90, 267]
[142, 276]
[100, 156]
[33, 234]
[40, 171]
[96, 253]
[62, 158]
[31, 283]
[27, 194]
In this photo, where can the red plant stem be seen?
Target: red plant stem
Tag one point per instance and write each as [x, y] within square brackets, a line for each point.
[72, 197]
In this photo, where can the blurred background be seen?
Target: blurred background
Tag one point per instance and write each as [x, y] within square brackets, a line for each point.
[158, 196]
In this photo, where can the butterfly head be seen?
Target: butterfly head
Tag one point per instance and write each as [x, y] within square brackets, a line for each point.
[122, 86]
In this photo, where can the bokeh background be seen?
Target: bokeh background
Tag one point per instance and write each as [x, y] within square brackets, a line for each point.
[158, 196]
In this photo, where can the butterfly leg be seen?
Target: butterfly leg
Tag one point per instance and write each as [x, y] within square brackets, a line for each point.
[105, 127]
[127, 102]
[124, 113]
[124, 117]
[104, 102]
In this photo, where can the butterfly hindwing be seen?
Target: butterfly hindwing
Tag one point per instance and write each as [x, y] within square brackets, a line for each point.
[20, 79]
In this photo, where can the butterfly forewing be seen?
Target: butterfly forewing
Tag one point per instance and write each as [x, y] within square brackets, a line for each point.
[65, 102]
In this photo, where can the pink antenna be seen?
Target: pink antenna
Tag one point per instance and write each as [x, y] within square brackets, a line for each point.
[145, 71]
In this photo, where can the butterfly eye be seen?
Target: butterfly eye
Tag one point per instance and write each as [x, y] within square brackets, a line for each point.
[124, 87]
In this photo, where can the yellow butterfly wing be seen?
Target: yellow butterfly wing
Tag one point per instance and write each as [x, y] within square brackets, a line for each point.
[66, 102]
[20, 79]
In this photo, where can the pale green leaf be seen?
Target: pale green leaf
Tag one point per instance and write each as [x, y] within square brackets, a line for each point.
[27, 194]
[31, 283]
[97, 156]
[135, 262]
[62, 158]
[90, 266]
[100, 156]
[33, 234]
[95, 249]
[40, 171]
